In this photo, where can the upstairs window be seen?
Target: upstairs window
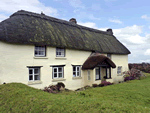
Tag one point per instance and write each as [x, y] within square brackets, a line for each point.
[60, 52]
[40, 51]
[34, 74]
[76, 71]
[119, 69]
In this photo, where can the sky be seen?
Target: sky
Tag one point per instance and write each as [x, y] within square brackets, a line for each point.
[129, 19]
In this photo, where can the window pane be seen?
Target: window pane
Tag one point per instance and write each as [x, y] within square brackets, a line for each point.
[97, 71]
[60, 75]
[78, 74]
[37, 77]
[74, 74]
[60, 69]
[36, 53]
[74, 68]
[43, 48]
[55, 69]
[30, 77]
[55, 75]
[77, 68]
[97, 76]
[30, 71]
[59, 53]
[36, 71]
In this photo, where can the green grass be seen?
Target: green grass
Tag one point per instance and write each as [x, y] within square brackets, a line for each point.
[133, 96]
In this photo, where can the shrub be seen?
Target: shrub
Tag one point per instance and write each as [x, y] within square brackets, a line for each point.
[133, 73]
[54, 88]
[128, 78]
[105, 83]
[94, 85]
[101, 85]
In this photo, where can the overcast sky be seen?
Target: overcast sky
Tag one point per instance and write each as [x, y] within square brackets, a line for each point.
[129, 19]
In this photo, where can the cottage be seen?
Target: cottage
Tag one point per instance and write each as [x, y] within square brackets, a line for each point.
[40, 50]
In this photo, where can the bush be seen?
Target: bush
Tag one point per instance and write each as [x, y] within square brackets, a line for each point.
[54, 88]
[94, 85]
[128, 78]
[105, 83]
[133, 73]
[101, 85]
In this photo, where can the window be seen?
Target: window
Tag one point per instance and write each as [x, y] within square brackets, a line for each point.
[76, 71]
[60, 52]
[58, 72]
[119, 69]
[108, 72]
[40, 51]
[88, 72]
[98, 73]
[109, 56]
[34, 74]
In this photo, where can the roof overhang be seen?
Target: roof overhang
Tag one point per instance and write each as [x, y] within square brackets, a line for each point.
[97, 60]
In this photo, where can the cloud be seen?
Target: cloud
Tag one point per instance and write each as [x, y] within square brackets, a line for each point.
[88, 24]
[11, 6]
[115, 21]
[76, 4]
[145, 17]
[147, 52]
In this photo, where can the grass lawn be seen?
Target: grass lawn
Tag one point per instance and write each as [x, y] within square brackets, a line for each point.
[133, 96]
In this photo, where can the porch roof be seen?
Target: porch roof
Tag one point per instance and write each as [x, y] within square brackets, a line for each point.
[97, 59]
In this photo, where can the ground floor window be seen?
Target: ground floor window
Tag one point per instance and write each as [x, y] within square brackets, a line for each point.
[58, 72]
[119, 70]
[76, 71]
[108, 72]
[97, 73]
[34, 74]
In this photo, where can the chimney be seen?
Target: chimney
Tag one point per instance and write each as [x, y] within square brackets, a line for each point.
[73, 20]
[42, 13]
[109, 31]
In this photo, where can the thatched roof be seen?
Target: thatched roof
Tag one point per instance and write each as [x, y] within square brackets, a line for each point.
[30, 28]
[97, 59]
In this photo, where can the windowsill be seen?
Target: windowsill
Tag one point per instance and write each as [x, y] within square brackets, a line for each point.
[119, 74]
[108, 78]
[61, 58]
[58, 79]
[76, 77]
[97, 79]
[34, 82]
[40, 57]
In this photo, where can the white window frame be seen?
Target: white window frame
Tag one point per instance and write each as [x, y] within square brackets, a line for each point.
[98, 76]
[39, 49]
[119, 70]
[60, 52]
[33, 74]
[76, 71]
[58, 72]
